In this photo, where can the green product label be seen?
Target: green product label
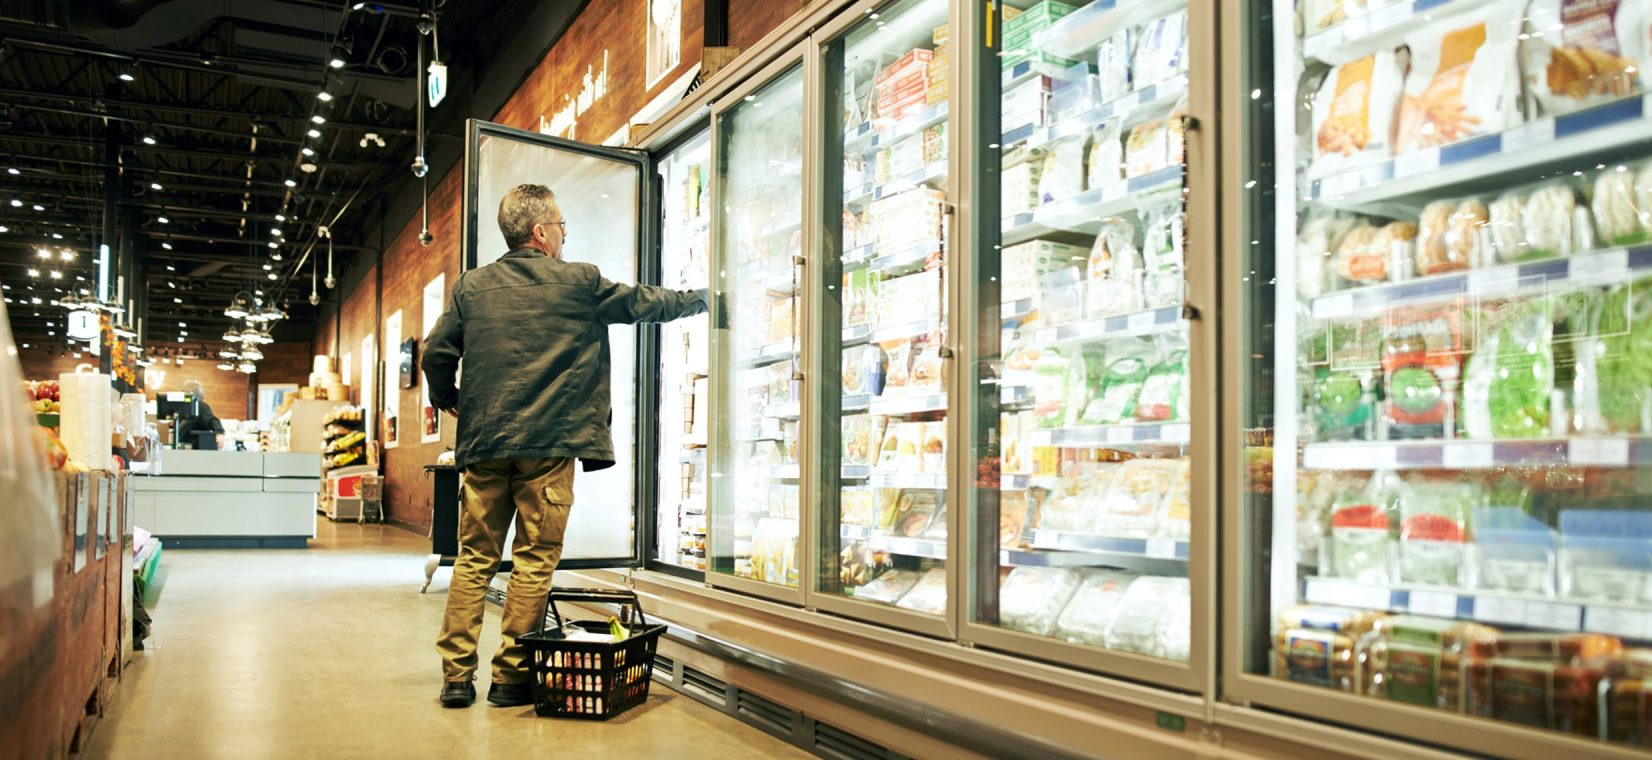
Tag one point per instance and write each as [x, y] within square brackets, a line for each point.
[1413, 676]
[1339, 395]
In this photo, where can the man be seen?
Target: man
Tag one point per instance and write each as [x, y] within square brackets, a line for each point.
[533, 331]
[204, 422]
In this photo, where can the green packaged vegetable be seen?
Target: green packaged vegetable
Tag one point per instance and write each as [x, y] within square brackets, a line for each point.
[1511, 374]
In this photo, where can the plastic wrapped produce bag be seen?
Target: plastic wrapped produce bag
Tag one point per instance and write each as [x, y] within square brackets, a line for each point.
[1612, 389]
[30, 520]
[1031, 598]
[1434, 531]
[1162, 257]
[1115, 270]
[1620, 205]
[1321, 234]
[1509, 378]
[1585, 52]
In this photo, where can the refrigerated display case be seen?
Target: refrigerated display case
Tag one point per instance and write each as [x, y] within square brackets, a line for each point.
[881, 315]
[680, 527]
[1442, 433]
[756, 378]
[1092, 527]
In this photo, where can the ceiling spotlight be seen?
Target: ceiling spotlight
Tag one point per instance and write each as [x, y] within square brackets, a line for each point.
[56, 275]
[281, 217]
[276, 231]
[34, 272]
[163, 220]
[232, 335]
[226, 366]
[4, 228]
[15, 203]
[166, 245]
[308, 167]
[371, 138]
[274, 244]
[313, 132]
[273, 277]
[43, 253]
[275, 256]
[154, 186]
[13, 171]
[149, 140]
[66, 255]
[57, 236]
[337, 59]
[291, 183]
[176, 299]
[318, 119]
[38, 207]
[247, 368]
[126, 74]
[324, 96]
[308, 151]
[268, 267]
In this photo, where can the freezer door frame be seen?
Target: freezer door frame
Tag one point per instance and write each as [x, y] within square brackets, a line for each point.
[826, 239]
[1238, 686]
[720, 441]
[642, 478]
[1198, 674]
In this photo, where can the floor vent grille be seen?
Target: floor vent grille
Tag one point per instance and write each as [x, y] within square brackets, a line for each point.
[709, 685]
[762, 713]
[665, 668]
[835, 742]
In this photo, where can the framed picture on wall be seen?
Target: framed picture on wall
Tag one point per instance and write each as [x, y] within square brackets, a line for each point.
[408, 367]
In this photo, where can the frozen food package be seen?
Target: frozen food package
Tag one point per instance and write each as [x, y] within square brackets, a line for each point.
[1106, 160]
[1165, 390]
[1559, 695]
[1160, 50]
[1620, 205]
[1133, 502]
[1319, 15]
[1449, 235]
[1176, 508]
[858, 506]
[1462, 80]
[1361, 534]
[1141, 622]
[1061, 295]
[1616, 395]
[914, 510]
[928, 595]
[1012, 517]
[1627, 699]
[1113, 64]
[887, 588]
[900, 448]
[1540, 222]
[1086, 616]
[1422, 353]
[1321, 233]
[1354, 112]
[925, 376]
[1063, 175]
[1606, 555]
[1176, 136]
[1049, 388]
[1019, 190]
[932, 446]
[1076, 503]
[1162, 256]
[1121, 386]
[1318, 645]
[1508, 381]
[1516, 552]
[1031, 598]
[1590, 52]
[1115, 271]
[1434, 531]
[897, 368]
[857, 439]
[1421, 660]
[1147, 149]
[853, 375]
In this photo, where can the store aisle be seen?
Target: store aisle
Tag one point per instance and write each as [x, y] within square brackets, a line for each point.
[329, 653]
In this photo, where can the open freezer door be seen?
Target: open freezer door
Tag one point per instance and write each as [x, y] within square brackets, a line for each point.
[603, 194]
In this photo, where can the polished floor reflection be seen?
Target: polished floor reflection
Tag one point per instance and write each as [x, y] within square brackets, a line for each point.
[329, 653]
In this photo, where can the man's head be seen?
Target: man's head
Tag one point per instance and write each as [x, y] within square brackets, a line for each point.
[193, 387]
[530, 218]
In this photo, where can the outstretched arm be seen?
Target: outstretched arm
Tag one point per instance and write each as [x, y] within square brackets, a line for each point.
[618, 303]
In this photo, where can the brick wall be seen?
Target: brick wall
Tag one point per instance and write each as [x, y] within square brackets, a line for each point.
[749, 20]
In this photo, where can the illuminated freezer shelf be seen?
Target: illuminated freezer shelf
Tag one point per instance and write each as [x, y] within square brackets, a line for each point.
[1084, 212]
[870, 135]
[766, 355]
[1090, 436]
[1383, 28]
[895, 406]
[1137, 106]
[1151, 548]
[1620, 451]
[907, 547]
[783, 226]
[1494, 607]
[868, 192]
[910, 257]
[932, 481]
[1483, 161]
[1134, 323]
[908, 330]
[1608, 267]
[789, 411]
[859, 402]
[783, 472]
[1015, 395]
[1081, 31]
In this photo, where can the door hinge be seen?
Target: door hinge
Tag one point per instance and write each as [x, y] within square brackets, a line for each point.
[946, 352]
[798, 260]
[797, 377]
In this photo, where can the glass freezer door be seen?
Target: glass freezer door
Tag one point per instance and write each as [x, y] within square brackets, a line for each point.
[756, 378]
[603, 194]
[1446, 353]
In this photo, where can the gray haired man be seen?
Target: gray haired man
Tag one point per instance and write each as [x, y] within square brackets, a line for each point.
[533, 332]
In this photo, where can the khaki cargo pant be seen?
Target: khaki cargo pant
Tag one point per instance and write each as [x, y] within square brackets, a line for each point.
[538, 493]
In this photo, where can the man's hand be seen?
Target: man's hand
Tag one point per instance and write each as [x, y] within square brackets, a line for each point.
[453, 411]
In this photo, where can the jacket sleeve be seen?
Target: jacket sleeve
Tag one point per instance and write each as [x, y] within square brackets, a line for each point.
[443, 347]
[618, 303]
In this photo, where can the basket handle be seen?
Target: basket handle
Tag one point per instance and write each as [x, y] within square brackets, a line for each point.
[620, 597]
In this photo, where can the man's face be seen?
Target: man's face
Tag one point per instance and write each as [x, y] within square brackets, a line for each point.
[549, 236]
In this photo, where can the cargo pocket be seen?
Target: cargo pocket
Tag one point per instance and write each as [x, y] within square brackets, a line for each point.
[553, 519]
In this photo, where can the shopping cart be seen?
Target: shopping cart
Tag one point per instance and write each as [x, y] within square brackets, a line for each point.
[581, 670]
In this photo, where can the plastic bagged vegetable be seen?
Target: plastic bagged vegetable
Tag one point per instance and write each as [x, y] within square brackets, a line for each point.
[1162, 256]
[1063, 176]
[1362, 522]
[1434, 530]
[1620, 349]
[1121, 385]
[1462, 82]
[1106, 159]
[1422, 352]
[1092, 607]
[1164, 392]
[1031, 598]
[1508, 380]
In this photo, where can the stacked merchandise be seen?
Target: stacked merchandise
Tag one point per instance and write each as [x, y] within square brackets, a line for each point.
[903, 86]
[1020, 27]
[346, 440]
[684, 346]
[325, 383]
[1473, 388]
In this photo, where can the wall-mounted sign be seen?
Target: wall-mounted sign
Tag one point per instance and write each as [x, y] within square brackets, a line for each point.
[565, 120]
[436, 83]
[83, 325]
[665, 38]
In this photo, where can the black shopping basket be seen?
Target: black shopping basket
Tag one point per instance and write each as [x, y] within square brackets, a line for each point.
[591, 679]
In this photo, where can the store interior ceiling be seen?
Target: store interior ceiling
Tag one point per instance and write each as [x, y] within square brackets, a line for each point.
[227, 154]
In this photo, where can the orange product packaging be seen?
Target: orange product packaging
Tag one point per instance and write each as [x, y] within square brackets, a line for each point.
[1463, 80]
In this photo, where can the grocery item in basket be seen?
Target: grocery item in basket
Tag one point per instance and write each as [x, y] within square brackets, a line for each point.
[1319, 645]
[1115, 271]
[1031, 598]
[1354, 112]
[1449, 235]
[1622, 205]
[1147, 149]
[1106, 160]
[1510, 377]
[887, 588]
[1164, 393]
[1161, 50]
[1063, 175]
[1113, 64]
[1422, 352]
[1590, 52]
[1085, 618]
[1462, 80]
[1163, 244]
[928, 595]
[1151, 607]
[1434, 531]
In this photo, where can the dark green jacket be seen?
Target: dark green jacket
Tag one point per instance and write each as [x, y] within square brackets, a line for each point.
[533, 332]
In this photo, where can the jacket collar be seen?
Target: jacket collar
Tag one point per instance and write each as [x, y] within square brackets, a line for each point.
[521, 253]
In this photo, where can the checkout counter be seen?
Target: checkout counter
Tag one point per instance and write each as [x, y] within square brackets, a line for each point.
[230, 499]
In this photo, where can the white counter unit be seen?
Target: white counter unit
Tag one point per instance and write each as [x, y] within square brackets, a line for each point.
[230, 499]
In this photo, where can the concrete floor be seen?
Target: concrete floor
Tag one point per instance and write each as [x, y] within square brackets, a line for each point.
[329, 652]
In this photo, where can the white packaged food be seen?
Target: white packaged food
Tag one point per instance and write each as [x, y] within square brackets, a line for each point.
[1354, 112]
[1160, 50]
[1063, 175]
[1115, 271]
[1162, 257]
[1462, 81]
[1141, 623]
[1106, 160]
[1031, 598]
[1586, 52]
[928, 595]
[1092, 607]
[1619, 205]
[1320, 236]
[1319, 15]
[1113, 64]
